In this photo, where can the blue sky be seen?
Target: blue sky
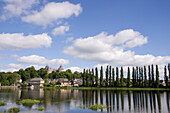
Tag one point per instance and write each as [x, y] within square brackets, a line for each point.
[83, 33]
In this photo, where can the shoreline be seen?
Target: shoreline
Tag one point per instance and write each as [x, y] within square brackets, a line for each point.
[110, 88]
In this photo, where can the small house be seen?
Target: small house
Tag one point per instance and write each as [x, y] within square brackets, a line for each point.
[36, 82]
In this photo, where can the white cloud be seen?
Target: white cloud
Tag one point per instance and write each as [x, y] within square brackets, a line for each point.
[60, 30]
[53, 12]
[69, 39]
[37, 67]
[15, 8]
[14, 66]
[14, 56]
[8, 70]
[73, 69]
[19, 41]
[1, 57]
[110, 49]
[35, 59]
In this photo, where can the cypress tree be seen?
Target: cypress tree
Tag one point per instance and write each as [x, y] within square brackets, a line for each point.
[121, 76]
[157, 77]
[142, 76]
[96, 78]
[145, 76]
[153, 82]
[92, 77]
[137, 76]
[133, 76]
[149, 74]
[117, 76]
[128, 81]
[101, 77]
[169, 69]
[113, 76]
[107, 72]
[165, 76]
[84, 77]
[110, 76]
[87, 78]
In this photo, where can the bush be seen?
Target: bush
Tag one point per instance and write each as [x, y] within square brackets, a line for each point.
[40, 108]
[2, 103]
[29, 102]
[25, 83]
[13, 110]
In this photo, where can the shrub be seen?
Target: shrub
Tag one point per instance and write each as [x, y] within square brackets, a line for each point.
[41, 108]
[2, 103]
[13, 110]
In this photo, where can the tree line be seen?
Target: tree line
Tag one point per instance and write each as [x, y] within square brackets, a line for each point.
[9, 78]
[114, 77]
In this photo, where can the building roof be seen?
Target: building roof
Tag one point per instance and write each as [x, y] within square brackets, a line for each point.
[34, 80]
[60, 68]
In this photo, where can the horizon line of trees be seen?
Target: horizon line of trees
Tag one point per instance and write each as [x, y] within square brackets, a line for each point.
[114, 77]
[138, 78]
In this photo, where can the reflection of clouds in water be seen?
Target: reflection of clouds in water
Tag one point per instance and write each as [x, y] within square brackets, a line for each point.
[64, 101]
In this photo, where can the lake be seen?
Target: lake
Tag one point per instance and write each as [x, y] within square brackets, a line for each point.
[80, 101]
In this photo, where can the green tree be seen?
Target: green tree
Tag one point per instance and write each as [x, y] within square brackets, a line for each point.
[101, 77]
[107, 72]
[117, 76]
[153, 82]
[113, 76]
[142, 77]
[165, 76]
[84, 77]
[32, 71]
[137, 75]
[133, 76]
[43, 73]
[149, 74]
[169, 69]
[157, 77]
[110, 76]
[92, 77]
[121, 74]
[87, 78]
[145, 76]
[128, 81]
[96, 78]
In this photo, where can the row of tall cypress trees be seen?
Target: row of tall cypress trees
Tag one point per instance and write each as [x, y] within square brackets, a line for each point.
[140, 77]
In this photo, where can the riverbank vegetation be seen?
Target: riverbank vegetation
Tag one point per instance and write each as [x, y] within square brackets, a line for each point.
[13, 110]
[2, 103]
[147, 76]
[28, 102]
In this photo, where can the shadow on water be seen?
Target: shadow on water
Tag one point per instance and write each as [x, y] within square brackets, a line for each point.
[63, 100]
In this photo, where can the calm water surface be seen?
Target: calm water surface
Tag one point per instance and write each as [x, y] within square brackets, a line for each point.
[77, 101]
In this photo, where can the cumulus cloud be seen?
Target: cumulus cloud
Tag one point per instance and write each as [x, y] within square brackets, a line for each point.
[73, 69]
[15, 8]
[35, 59]
[69, 39]
[14, 56]
[60, 30]
[53, 12]
[19, 41]
[113, 49]
[14, 66]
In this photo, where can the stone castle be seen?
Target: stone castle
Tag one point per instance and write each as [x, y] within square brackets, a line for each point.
[50, 70]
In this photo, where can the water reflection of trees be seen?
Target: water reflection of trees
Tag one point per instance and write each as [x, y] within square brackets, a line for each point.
[114, 100]
[132, 101]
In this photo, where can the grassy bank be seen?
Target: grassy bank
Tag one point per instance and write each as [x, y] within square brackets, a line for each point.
[112, 88]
